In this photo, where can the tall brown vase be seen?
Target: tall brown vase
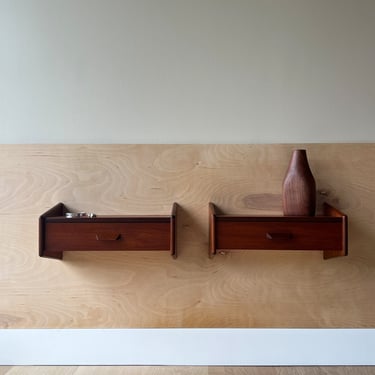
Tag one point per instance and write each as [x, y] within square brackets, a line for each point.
[299, 192]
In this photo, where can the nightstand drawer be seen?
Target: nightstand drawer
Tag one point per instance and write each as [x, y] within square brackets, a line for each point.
[61, 231]
[278, 235]
[85, 236]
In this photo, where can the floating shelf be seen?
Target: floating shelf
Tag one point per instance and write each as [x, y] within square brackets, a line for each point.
[58, 233]
[240, 232]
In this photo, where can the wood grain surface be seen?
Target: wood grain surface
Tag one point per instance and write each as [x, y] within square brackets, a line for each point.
[149, 289]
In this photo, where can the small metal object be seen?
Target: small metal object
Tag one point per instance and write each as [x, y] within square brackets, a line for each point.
[79, 214]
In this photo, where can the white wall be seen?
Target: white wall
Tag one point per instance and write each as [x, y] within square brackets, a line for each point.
[187, 71]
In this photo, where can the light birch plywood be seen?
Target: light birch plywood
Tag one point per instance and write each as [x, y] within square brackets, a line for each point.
[128, 289]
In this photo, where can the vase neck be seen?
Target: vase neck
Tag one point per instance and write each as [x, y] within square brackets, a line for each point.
[299, 160]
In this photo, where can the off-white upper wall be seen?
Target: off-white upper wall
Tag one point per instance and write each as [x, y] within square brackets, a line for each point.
[187, 71]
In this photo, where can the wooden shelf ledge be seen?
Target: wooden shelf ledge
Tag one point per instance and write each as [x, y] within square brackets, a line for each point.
[328, 232]
[58, 233]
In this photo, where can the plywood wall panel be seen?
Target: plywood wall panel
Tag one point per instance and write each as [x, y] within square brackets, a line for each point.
[237, 289]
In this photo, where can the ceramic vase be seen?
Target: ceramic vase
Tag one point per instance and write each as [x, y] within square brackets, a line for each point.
[299, 192]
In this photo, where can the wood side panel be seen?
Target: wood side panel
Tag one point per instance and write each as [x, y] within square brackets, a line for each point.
[331, 211]
[56, 210]
[212, 229]
[147, 289]
[172, 229]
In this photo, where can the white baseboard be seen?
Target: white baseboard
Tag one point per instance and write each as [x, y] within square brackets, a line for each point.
[204, 347]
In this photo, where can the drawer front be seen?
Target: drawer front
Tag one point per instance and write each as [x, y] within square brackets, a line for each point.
[107, 236]
[278, 235]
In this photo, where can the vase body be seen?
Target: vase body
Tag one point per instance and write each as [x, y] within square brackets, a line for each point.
[299, 191]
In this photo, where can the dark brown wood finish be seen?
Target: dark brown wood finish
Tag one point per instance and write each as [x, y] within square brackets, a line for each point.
[105, 233]
[241, 232]
[299, 191]
[212, 229]
[57, 210]
[333, 212]
[173, 229]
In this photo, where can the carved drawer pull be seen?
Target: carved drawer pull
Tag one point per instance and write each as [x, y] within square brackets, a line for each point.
[279, 236]
[108, 236]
